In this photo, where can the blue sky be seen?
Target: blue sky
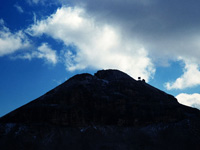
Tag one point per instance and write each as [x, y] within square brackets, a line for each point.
[43, 43]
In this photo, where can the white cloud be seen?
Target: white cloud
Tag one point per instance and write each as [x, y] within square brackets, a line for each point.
[98, 45]
[43, 52]
[192, 100]
[19, 8]
[11, 42]
[190, 77]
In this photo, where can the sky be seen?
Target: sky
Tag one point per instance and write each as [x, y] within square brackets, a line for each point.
[43, 43]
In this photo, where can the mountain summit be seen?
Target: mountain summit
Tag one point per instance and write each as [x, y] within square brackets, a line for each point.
[107, 110]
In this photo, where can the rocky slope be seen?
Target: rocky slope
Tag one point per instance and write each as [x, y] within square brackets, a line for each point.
[108, 110]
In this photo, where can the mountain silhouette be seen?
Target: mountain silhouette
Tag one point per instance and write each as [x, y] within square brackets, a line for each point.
[105, 111]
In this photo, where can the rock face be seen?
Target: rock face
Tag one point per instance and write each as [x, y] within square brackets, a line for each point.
[107, 111]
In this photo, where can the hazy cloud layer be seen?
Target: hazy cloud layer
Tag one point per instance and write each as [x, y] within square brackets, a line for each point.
[34, 1]
[97, 45]
[19, 8]
[47, 2]
[192, 100]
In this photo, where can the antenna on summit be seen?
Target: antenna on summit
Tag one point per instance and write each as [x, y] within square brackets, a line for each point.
[139, 79]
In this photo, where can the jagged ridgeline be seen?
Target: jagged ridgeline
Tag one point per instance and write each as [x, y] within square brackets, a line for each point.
[104, 111]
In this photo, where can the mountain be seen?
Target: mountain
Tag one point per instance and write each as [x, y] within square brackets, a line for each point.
[105, 111]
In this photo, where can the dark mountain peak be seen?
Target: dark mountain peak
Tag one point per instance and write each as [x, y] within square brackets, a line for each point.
[104, 98]
[81, 77]
[107, 110]
[112, 75]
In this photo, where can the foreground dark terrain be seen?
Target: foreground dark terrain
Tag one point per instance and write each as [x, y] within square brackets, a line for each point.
[107, 111]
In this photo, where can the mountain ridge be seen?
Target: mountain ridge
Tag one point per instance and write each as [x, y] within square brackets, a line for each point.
[107, 110]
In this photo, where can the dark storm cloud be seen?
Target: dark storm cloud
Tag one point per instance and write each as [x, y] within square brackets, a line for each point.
[154, 16]
[164, 26]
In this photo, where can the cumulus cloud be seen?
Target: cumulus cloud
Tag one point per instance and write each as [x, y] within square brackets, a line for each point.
[97, 45]
[192, 100]
[190, 77]
[11, 42]
[43, 52]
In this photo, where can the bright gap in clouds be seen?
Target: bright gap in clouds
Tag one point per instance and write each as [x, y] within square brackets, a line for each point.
[99, 46]
[190, 77]
[192, 100]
